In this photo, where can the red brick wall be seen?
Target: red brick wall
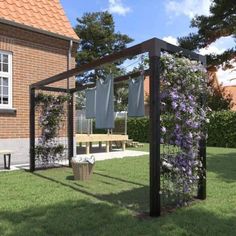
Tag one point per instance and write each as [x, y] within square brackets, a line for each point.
[146, 86]
[35, 57]
[230, 90]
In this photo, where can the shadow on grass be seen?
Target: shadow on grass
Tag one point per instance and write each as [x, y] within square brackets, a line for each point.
[223, 164]
[134, 199]
[70, 177]
[84, 217]
[119, 179]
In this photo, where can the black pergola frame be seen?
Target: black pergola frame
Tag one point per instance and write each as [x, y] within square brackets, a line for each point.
[153, 47]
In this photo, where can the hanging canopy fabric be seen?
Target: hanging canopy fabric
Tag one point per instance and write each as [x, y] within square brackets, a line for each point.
[105, 103]
[136, 97]
[90, 95]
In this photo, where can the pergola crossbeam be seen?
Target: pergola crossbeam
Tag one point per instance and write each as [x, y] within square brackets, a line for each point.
[128, 52]
[53, 89]
[153, 47]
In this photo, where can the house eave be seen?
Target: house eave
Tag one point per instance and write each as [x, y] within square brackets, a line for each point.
[41, 31]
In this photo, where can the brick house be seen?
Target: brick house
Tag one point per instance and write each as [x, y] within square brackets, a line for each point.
[229, 87]
[36, 42]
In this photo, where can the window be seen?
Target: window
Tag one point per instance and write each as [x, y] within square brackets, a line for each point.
[5, 80]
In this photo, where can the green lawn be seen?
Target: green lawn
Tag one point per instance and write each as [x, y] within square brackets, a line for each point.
[52, 203]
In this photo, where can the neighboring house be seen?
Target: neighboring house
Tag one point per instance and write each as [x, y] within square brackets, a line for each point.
[146, 95]
[228, 77]
[232, 91]
[224, 80]
[36, 42]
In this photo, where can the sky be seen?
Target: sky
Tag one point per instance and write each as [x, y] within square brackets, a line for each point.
[145, 19]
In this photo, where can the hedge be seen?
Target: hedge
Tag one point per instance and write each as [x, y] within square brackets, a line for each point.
[138, 129]
[221, 129]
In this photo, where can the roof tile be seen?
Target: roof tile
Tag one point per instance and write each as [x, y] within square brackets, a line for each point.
[46, 15]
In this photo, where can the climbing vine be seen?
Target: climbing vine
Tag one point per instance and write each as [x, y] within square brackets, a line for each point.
[51, 109]
[183, 85]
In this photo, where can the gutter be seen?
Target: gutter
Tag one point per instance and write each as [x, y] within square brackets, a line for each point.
[41, 31]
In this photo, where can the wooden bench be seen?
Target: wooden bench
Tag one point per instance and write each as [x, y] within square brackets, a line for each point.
[107, 138]
[6, 153]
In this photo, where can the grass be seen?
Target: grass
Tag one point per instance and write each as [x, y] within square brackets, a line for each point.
[51, 203]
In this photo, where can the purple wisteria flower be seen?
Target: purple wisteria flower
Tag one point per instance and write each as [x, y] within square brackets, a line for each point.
[183, 81]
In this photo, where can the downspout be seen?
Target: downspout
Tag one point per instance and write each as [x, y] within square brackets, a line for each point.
[69, 61]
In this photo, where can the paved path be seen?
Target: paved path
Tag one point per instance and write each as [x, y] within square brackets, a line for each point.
[115, 154]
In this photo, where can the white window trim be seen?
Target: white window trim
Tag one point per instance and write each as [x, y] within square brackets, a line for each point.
[9, 76]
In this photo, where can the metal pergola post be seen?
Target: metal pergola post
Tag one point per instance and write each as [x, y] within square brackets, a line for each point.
[202, 152]
[202, 181]
[155, 152]
[153, 47]
[70, 128]
[32, 129]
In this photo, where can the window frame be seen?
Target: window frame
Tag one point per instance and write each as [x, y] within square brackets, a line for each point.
[9, 76]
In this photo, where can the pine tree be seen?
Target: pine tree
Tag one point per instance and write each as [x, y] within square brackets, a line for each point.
[98, 39]
[220, 23]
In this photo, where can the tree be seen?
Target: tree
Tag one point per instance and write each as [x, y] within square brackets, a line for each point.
[98, 39]
[121, 95]
[80, 100]
[220, 23]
